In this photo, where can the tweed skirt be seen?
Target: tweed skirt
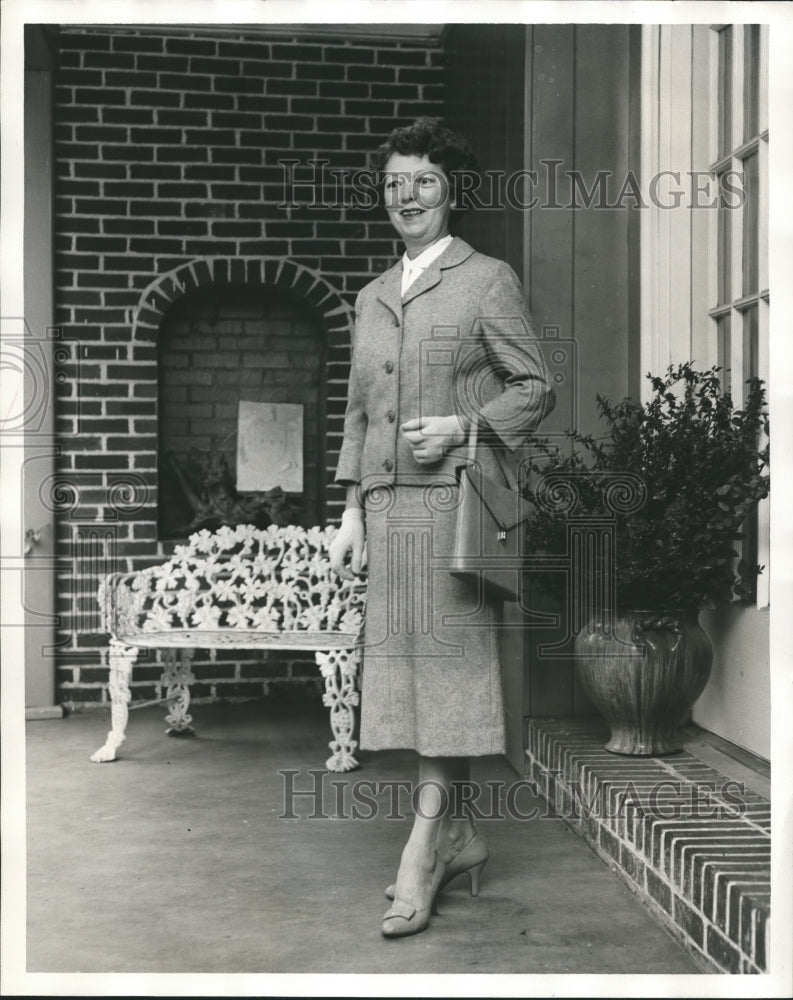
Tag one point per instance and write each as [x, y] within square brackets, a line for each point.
[431, 679]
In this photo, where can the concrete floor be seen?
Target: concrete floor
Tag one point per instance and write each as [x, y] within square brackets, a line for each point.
[174, 859]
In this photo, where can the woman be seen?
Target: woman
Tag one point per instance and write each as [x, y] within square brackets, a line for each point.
[442, 341]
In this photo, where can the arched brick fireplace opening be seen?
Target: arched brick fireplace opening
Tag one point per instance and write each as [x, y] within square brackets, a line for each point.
[271, 301]
[224, 350]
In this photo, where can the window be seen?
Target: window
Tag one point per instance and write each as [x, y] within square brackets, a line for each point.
[704, 289]
[739, 160]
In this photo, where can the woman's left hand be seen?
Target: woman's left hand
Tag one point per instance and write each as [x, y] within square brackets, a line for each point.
[431, 437]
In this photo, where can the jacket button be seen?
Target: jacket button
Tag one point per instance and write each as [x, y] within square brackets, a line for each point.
[389, 366]
[391, 416]
[388, 465]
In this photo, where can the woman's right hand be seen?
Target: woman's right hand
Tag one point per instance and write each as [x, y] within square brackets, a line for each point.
[350, 541]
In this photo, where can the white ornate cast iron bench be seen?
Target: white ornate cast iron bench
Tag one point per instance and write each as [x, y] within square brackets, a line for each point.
[236, 588]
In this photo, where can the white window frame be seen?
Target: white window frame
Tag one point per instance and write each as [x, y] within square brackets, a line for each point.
[733, 160]
[679, 260]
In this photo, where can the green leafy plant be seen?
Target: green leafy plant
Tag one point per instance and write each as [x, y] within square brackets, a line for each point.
[698, 468]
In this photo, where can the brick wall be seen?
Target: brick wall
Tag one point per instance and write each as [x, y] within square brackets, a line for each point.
[167, 151]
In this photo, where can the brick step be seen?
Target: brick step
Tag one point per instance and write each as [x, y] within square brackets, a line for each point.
[693, 844]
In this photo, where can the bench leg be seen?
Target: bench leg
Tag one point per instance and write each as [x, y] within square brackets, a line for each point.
[176, 679]
[339, 667]
[122, 659]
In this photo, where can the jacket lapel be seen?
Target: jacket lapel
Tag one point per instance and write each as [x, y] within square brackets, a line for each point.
[428, 278]
[457, 251]
[390, 283]
[389, 290]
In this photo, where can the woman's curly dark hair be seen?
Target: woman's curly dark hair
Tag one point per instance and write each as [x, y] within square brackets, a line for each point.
[450, 151]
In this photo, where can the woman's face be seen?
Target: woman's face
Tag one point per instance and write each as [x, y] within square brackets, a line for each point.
[417, 200]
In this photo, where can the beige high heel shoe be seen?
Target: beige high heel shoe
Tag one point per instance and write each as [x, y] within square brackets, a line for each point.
[470, 860]
[406, 917]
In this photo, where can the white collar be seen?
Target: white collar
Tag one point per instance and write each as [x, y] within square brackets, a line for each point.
[412, 268]
[426, 257]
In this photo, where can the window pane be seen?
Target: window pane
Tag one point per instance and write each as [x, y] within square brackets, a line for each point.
[725, 90]
[749, 547]
[723, 352]
[750, 238]
[751, 81]
[726, 210]
[750, 343]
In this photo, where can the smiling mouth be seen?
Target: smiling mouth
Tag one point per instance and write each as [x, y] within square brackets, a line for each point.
[411, 213]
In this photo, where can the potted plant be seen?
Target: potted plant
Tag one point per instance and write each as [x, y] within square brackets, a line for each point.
[672, 481]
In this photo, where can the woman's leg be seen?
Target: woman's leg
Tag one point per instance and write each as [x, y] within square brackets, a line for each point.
[442, 843]
[457, 827]
[421, 868]
[438, 826]
[431, 800]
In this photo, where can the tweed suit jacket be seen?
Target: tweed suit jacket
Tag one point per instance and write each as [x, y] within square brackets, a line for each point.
[461, 342]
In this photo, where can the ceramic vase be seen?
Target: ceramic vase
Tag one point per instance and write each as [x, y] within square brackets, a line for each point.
[644, 670]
